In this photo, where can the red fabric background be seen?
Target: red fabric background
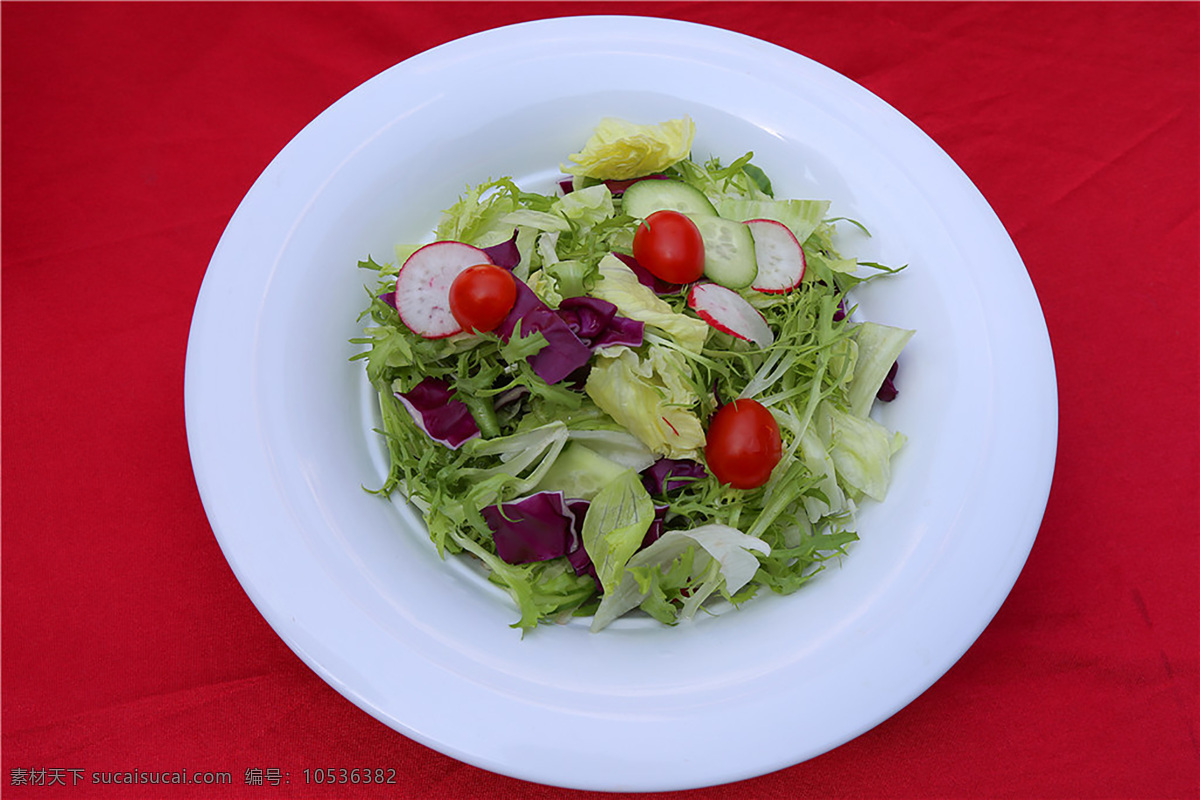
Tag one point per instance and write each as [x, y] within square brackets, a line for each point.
[130, 133]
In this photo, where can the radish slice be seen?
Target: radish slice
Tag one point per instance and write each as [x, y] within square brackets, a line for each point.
[779, 255]
[728, 311]
[423, 286]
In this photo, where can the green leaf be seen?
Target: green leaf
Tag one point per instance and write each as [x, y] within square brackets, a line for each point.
[878, 348]
[760, 179]
[615, 525]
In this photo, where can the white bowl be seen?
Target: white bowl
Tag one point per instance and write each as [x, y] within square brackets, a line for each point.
[280, 421]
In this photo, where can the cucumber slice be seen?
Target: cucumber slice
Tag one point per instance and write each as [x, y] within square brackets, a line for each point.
[728, 251]
[647, 196]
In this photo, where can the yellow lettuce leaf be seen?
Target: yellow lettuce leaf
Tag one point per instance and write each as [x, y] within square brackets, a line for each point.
[619, 150]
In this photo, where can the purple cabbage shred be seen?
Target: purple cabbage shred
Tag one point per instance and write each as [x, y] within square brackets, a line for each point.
[579, 559]
[655, 530]
[444, 419]
[505, 254]
[668, 474]
[597, 323]
[887, 391]
[564, 352]
[535, 528]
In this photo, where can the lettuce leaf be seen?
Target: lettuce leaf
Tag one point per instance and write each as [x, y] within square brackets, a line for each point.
[478, 218]
[800, 216]
[878, 348]
[730, 549]
[620, 286]
[651, 396]
[860, 448]
[579, 472]
[615, 525]
[586, 207]
[619, 149]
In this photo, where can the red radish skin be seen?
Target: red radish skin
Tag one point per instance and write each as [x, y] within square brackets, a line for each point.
[779, 255]
[423, 287]
[729, 312]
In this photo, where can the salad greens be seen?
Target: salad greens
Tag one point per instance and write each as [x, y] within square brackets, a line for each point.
[593, 480]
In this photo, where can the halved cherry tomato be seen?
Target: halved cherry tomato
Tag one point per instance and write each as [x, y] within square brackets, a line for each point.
[669, 245]
[481, 296]
[743, 444]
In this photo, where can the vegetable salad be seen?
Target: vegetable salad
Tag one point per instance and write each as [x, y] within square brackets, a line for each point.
[642, 390]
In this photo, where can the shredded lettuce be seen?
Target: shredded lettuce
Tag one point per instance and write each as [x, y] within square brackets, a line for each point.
[580, 472]
[861, 450]
[739, 180]
[478, 218]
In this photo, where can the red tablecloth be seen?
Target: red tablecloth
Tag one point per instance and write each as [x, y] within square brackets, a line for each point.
[130, 133]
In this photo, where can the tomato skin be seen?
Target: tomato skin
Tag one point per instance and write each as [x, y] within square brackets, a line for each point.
[669, 245]
[743, 444]
[481, 296]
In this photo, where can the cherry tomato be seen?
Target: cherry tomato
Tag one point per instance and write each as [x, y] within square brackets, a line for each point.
[743, 444]
[669, 245]
[481, 296]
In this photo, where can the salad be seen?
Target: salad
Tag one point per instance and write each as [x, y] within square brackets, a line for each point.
[641, 390]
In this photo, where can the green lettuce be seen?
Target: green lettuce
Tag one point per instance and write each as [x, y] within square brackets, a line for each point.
[725, 560]
[620, 286]
[800, 216]
[479, 216]
[615, 524]
[586, 207]
[740, 179]
[878, 348]
[651, 395]
[622, 149]
[579, 473]
[861, 450]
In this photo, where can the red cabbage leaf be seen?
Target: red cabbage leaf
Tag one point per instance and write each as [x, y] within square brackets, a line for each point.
[433, 407]
[564, 352]
[668, 474]
[534, 528]
[597, 323]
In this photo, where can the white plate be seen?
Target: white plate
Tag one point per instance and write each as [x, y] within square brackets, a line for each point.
[279, 420]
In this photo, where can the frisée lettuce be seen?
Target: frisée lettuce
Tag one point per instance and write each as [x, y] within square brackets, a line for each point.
[568, 448]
